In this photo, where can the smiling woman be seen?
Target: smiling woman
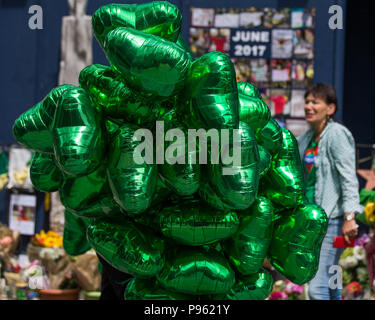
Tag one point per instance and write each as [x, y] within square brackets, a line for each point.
[328, 153]
[320, 106]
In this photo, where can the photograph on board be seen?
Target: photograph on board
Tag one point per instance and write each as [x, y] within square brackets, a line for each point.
[280, 102]
[298, 104]
[202, 17]
[277, 18]
[281, 73]
[251, 18]
[203, 40]
[282, 43]
[302, 18]
[303, 41]
[227, 18]
[22, 208]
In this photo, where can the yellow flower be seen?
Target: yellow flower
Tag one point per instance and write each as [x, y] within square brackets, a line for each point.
[49, 243]
[369, 212]
[52, 234]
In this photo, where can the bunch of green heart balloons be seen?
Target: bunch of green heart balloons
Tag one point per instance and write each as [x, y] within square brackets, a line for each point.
[184, 230]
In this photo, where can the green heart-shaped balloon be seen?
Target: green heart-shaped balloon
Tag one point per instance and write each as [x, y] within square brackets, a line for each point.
[159, 18]
[193, 223]
[33, 128]
[89, 196]
[265, 160]
[182, 43]
[239, 188]
[181, 173]
[44, 174]
[154, 67]
[77, 133]
[284, 183]
[75, 229]
[270, 137]
[247, 249]
[127, 247]
[210, 99]
[257, 286]
[132, 184]
[196, 271]
[150, 289]
[296, 243]
[209, 195]
[253, 110]
[116, 100]
[249, 90]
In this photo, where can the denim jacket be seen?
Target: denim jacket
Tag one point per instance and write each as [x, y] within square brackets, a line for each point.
[336, 187]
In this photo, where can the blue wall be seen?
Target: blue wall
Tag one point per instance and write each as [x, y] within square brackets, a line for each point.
[359, 86]
[29, 59]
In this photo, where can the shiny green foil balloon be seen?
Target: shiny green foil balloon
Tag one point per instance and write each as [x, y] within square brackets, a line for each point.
[159, 18]
[180, 174]
[149, 289]
[265, 160]
[197, 271]
[194, 223]
[132, 184]
[296, 243]
[253, 110]
[270, 137]
[115, 98]
[284, 183]
[257, 286]
[280, 212]
[77, 133]
[161, 197]
[238, 189]
[89, 196]
[33, 128]
[182, 43]
[249, 90]
[154, 67]
[162, 193]
[44, 174]
[127, 247]
[74, 239]
[111, 129]
[247, 249]
[210, 99]
[209, 195]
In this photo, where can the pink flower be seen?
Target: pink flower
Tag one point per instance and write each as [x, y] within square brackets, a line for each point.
[293, 288]
[296, 288]
[287, 281]
[6, 240]
[362, 240]
[278, 295]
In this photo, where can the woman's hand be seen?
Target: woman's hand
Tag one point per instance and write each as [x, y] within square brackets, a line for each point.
[349, 230]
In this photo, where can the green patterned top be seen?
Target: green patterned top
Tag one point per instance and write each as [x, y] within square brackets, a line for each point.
[310, 171]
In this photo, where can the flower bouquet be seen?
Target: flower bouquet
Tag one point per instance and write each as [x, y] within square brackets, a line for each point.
[47, 240]
[47, 247]
[355, 276]
[367, 199]
[8, 244]
[287, 290]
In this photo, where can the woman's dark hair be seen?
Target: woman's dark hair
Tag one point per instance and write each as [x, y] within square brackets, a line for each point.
[324, 92]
